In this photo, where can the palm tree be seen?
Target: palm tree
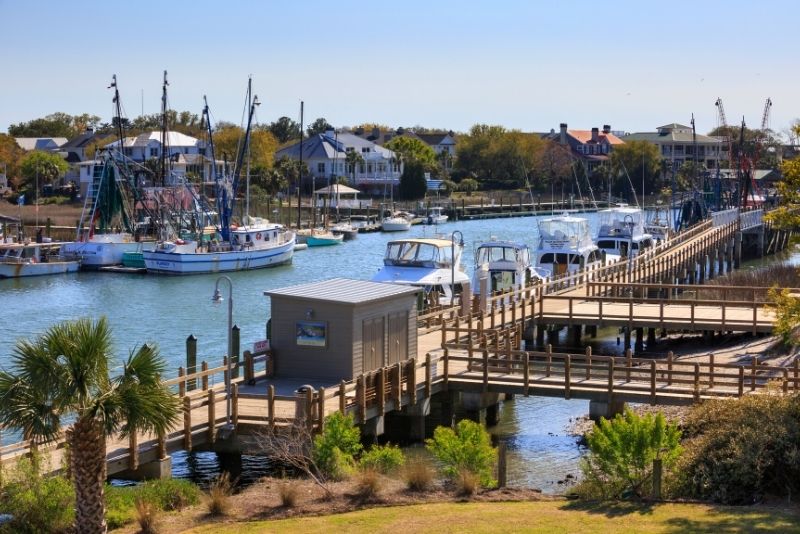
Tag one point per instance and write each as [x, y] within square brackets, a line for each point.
[63, 375]
[352, 159]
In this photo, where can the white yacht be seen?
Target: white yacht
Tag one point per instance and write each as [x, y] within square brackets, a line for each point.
[397, 222]
[508, 264]
[621, 228]
[565, 246]
[432, 264]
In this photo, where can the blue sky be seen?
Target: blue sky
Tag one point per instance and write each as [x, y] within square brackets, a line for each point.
[445, 64]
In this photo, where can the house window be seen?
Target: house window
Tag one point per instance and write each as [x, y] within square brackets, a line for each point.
[349, 149]
[321, 168]
[365, 150]
[361, 168]
[369, 168]
[153, 152]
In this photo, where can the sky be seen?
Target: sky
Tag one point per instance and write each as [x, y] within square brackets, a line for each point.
[526, 65]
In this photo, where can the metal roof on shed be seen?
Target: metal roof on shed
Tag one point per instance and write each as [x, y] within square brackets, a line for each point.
[344, 290]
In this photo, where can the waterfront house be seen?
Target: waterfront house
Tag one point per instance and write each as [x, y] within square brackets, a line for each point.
[325, 155]
[336, 329]
[592, 147]
[442, 143]
[676, 144]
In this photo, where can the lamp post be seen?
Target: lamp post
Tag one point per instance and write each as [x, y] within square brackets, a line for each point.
[217, 298]
[630, 224]
[453, 263]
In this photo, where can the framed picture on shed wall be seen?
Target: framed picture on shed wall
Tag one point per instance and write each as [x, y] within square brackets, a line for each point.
[312, 333]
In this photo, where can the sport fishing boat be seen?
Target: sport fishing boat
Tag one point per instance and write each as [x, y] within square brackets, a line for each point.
[565, 246]
[622, 228]
[430, 263]
[19, 260]
[256, 244]
[436, 215]
[508, 264]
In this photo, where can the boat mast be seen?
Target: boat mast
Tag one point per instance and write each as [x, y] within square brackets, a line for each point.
[163, 159]
[207, 118]
[300, 170]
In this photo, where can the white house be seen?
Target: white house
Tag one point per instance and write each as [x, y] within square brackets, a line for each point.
[326, 154]
[676, 145]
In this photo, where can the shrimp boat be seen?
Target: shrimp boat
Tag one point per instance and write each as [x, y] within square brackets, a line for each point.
[19, 260]
[106, 232]
[256, 244]
[430, 263]
[621, 228]
[508, 264]
[565, 246]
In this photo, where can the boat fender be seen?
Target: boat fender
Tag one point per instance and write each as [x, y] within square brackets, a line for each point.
[180, 242]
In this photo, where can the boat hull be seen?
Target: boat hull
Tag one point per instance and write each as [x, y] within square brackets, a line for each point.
[218, 262]
[21, 270]
[326, 241]
[395, 226]
[94, 255]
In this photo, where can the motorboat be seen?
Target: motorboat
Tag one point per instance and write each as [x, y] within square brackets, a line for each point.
[254, 246]
[19, 260]
[436, 215]
[621, 232]
[322, 238]
[433, 264]
[346, 229]
[658, 223]
[506, 264]
[397, 222]
[565, 246]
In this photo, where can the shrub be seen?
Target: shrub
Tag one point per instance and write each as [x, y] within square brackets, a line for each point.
[170, 493]
[288, 491]
[368, 484]
[622, 450]
[335, 449]
[146, 516]
[418, 474]
[37, 503]
[385, 459]
[787, 315]
[467, 482]
[219, 495]
[738, 451]
[469, 447]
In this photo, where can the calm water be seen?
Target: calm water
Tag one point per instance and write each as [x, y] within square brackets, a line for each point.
[165, 310]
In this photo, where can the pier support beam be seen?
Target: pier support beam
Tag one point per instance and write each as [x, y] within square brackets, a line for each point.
[627, 342]
[540, 328]
[575, 334]
[154, 470]
[552, 336]
[737, 249]
[480, 407]
[639, 340]
[651, 338]
[605, 408]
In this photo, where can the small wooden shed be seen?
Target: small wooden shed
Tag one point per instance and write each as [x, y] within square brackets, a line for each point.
[337, 329]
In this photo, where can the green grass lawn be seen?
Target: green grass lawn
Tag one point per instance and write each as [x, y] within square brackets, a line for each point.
[544, 516]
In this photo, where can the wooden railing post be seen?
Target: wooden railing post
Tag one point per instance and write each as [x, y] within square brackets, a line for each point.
[653, 382]
[588, 363]
[567, 366]
[527, 374]
[380, 386]
[428, 372]
[321, 408]
[182, 383]
[446, 369]
[628, 365]
[711, 371]
[235, 406]
[486, 370]
[361, 397]
[204, 380]
[212, 416]
[696, 382]
[187, 423]
[249, 370]
[412, 382]
[342, 397]
[741, 380]
[670, 357]
[753, 373]
[271, 406]
[397, 390]
[549, 360]
[309, 411]
[610, 376]
[191, 361]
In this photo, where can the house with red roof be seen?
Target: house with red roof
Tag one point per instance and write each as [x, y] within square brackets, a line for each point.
[590, 146]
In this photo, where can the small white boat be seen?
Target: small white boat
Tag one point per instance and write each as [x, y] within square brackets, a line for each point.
[346, 229]
[396, 223]
[565, 246]
[323, 238]
[34, 259]
[436, 215]
[102, 250]
[658, 223]
[253, 247]
[432, 264]
[622, 228]
[507, 265]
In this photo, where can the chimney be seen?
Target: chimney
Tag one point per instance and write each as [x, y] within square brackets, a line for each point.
[563, 138]
[606, 128]
[595, 134]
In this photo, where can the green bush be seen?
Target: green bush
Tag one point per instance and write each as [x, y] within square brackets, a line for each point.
[336, 448]
[384, 459]
[738, 451]
[167, 495]
[37, 503]
[468, 448]
[622, 450]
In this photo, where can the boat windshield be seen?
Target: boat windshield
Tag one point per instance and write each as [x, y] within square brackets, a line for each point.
[495, 253]
[617, 221]
[558, 233]
[417, 254]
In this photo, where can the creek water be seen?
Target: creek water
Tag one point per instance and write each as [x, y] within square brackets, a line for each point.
[165, 310]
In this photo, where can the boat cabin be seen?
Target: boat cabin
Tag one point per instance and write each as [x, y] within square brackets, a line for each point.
[508, 265]
[336, 329]
[565, 246]
[431, 253]
[621, 229]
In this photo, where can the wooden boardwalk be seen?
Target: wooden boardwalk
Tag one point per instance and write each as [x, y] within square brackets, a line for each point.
[480, 351]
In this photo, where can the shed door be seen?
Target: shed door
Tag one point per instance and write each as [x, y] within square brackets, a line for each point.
[372, 343]
[398, 337]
